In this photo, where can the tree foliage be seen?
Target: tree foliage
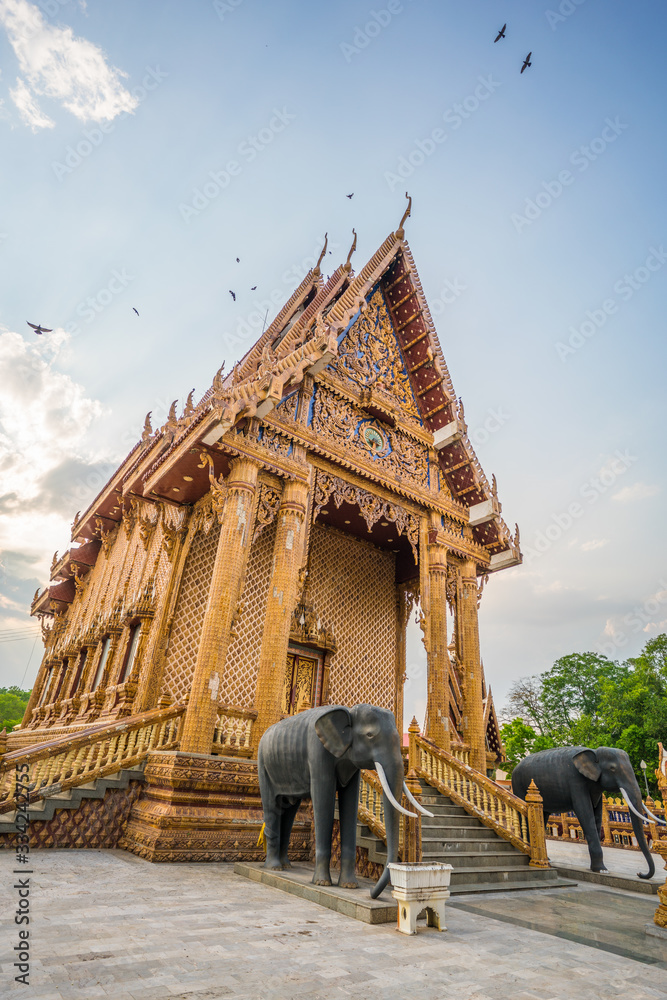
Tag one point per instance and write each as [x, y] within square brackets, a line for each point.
[588, 700]
[12, 706]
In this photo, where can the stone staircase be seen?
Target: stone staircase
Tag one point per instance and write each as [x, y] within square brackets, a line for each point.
[44, 809]
[482, 861]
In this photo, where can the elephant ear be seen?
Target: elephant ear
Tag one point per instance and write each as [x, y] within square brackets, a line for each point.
[586, 763]
[334, 729]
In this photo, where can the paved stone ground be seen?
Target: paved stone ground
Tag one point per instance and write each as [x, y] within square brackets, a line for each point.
[107, 924]
[617, 860]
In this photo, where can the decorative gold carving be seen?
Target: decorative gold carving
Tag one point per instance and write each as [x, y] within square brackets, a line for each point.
[288, 406]
[372, 508]
[129, 518]
[219, 489]
[353, 429]
[148, 430]
[148, 520]
[369, 355]
[400, 232]
[267, 508]
[54, 562]
[107, 537]
[173, 527]
[276, 441]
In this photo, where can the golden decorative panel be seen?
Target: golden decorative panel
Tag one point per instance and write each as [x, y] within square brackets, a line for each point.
[352, 588]
[393, 450]
[242, 663]
[189, 614]
[369, 355]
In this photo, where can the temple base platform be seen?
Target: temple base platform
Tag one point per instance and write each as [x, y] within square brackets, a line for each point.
[202, 807]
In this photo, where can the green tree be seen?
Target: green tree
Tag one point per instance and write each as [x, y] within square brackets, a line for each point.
[519, 740]
[13, 702]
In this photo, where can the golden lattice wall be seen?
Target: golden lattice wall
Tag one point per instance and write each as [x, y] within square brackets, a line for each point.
[242, 663]
[189, 614]
[352, 587]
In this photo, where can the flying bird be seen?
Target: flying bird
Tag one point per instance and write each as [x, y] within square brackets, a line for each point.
[238, 260]
[350, 195]
[233, 294]
[38, 328]
[136, 310]
[254, 288]
[501, 33]
[527, 62]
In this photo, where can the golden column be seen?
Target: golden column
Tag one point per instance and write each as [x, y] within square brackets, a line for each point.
[223, 596]
[468, 630]
[283, 592]
[438, 656]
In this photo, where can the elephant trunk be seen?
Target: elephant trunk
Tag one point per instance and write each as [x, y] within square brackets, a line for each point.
[638, 829]
[393, 775]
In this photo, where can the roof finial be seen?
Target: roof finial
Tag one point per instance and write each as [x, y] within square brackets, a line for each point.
[148, 430]
[316, 270]
[347, 265]
[400, 232]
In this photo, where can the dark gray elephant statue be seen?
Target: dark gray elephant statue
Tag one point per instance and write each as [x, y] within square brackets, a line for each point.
[572, 779]
[316, 754]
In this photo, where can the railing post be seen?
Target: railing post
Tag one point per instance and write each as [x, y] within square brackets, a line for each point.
[606, 829]
[413, 750]
[412, 835]
[538, 844]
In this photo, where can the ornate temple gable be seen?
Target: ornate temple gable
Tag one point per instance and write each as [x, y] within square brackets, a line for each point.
[353, 430]
[369, 355]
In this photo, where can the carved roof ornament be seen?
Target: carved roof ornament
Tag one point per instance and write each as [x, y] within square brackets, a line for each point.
[316, 269]
[461, 414]
[189, 408]
[494, 487]
[517, 537]
[347, 266]
[269, 363]
[148, 430]
[54, 561]
[172, 419]
[218, 487]
[400, 232]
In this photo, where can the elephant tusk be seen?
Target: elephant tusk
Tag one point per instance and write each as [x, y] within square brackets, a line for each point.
[387, 791]
[656, 818]
[630, 806]
[410, 797]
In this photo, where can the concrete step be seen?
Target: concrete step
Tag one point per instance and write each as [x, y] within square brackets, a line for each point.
[492, 873]
[461, 822]
[478, 859]
[457, 831]
[479, 846]
[44, 809]
[480, 887]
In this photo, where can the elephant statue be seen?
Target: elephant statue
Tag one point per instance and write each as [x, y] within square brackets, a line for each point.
[316, 754]
[573, 779]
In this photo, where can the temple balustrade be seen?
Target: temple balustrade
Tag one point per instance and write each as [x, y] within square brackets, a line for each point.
[616, 824]
[233, 731]
[67, 761]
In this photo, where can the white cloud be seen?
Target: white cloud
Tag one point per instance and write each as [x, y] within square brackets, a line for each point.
[44, 417]
[594, 543]
[55, 64]
[28, 108]
[638, 491]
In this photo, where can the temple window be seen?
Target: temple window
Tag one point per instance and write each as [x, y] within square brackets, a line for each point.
[83, 656]
[130, 652]
[47, 684]
[106, 643]
[63, 671]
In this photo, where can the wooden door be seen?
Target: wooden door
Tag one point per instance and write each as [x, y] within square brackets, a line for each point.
[300, 679]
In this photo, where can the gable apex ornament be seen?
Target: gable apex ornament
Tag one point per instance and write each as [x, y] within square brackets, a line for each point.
[400, 232]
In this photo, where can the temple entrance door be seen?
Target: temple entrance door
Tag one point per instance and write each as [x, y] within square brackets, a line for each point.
[300, 681]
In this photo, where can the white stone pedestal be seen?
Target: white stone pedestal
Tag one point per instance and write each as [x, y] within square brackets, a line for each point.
[418, 887]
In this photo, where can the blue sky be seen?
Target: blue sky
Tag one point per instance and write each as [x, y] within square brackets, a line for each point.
[538, 228]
